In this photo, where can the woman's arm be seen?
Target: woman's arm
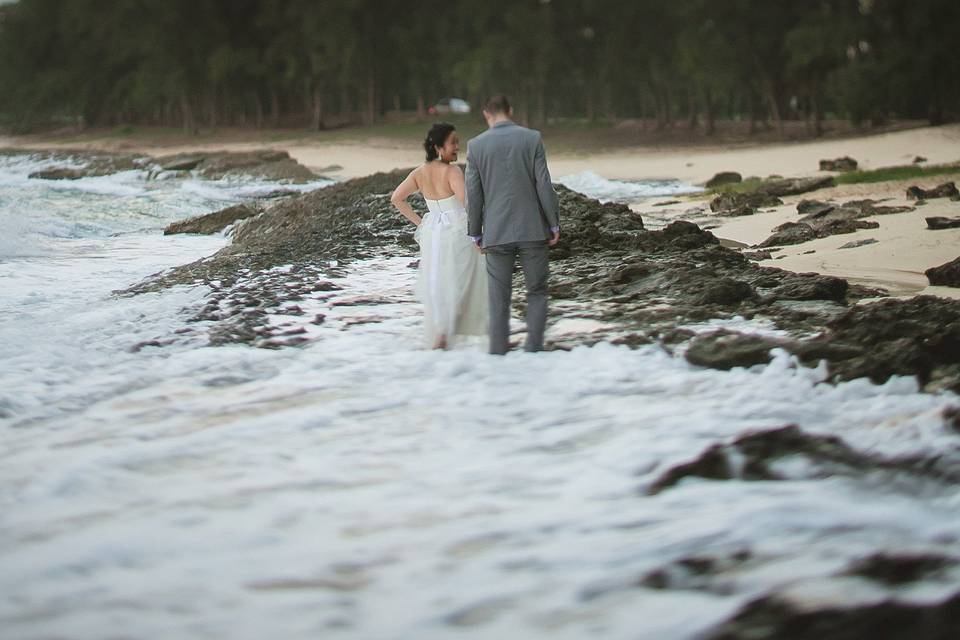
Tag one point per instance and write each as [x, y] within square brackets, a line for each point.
[403, 191]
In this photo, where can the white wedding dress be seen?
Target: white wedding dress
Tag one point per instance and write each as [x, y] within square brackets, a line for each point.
[452, 277]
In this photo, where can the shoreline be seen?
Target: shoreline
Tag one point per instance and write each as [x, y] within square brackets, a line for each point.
[905, 248]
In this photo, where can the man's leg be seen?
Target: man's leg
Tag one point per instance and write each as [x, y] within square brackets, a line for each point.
[534, 259]
[500, 263]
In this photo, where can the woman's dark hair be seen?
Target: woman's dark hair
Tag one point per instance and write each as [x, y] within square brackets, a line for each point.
[437, 137]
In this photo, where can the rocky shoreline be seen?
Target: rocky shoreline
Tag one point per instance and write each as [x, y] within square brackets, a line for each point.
[677, 288]
[636, 286]
[75, 164]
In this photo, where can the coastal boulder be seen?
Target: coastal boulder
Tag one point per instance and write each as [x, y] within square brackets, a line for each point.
[845, 163]
[724, 177]
[732, 201]
[939, 222]
[789, 233]
[213, 222]
[795, 186]
[729, 349]
[58, 173]
[946, 275]
[945, 190]
[814, 207]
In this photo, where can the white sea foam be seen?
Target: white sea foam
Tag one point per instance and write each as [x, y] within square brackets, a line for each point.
[359, 486]
[604, 190]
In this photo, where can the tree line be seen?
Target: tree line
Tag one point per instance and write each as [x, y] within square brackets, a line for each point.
[316, 63]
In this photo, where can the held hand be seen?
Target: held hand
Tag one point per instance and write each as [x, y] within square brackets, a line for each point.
[555, 239]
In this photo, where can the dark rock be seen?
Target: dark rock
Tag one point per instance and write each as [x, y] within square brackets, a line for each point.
[838, 227]
[814, 207]
[58, 173]
[180, 162]
[917, 336]
[776, 616]
[755, 455]
[724, 177]
[939, 222]
[268, 164]
[789, 233]
[758, 255]
[666, 203]
[752, 456]
[845, 163]
[726, 291]
[727, 201]
[726, 350]
[213, 222]
[919, 159]
[742, 210]
[810, 286]
[869, 208]
[894, 570]
[946, 275]
[823, 220]
[945, 190]
[795, 186]
[951, 416]
[859, 243]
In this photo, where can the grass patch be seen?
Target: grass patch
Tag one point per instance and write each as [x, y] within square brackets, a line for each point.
[887, 174]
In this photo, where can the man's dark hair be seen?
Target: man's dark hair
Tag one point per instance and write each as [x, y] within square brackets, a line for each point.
[497, 104]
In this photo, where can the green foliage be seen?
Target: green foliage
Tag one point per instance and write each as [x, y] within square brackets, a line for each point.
[905, 172]
[314, 63]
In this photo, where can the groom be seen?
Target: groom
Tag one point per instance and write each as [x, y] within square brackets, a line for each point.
[513, 213]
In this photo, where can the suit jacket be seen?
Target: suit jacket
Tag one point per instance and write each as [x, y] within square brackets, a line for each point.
[509, 194]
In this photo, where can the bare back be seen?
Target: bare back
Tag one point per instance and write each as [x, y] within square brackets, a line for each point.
[435, 180]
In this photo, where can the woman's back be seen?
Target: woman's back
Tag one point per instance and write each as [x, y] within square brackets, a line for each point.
[433, 179]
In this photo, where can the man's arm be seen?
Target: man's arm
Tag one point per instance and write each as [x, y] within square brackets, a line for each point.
[474, 197]
[548, 197]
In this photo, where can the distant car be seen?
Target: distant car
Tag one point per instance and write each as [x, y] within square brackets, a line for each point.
[450, 105]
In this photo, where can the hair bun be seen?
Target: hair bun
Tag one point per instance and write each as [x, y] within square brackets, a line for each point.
[437, 137]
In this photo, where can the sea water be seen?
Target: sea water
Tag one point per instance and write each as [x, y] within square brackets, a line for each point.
[359, 486]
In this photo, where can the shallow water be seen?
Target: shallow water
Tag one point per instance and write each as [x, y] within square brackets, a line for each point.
[359, 486]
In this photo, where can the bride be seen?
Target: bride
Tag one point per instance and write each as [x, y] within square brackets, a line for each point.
[452, 277]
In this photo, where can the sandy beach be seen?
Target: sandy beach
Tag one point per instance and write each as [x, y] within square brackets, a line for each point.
[896, 262]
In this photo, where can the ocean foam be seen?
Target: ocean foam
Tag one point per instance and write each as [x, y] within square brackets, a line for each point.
[604, 190]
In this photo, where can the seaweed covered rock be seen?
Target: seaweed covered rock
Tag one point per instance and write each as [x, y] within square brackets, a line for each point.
[846, 163]
[214, 222]
[945, 190]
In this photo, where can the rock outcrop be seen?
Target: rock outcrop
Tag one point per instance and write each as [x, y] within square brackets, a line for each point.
[214, 222]
[843, 164]
[940, 222]
[641, 285]
[946, 275]
[945, 190]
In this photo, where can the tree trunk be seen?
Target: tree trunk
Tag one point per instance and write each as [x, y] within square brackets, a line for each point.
[421, 108]
[692, 107]
[371, 115]
[709, 113]
[258, 109]
[773, 102]
[317, 123]
[186, 115]
[274, 107]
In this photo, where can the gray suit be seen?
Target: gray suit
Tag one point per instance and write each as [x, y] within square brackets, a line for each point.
[512, 205]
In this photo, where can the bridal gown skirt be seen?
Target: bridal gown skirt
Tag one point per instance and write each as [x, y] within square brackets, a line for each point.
[452, 277]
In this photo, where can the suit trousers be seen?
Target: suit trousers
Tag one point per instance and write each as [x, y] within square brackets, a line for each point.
[501, 262]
